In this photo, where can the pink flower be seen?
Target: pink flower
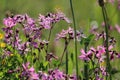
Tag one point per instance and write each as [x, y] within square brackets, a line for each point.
[101, 49]
[9, 22]
[45, 22]
[98, 77]
[58, 75]
[69, 33]
[85, 56]
[99, 53]
[19, 18]
[29, 72]
[61, 16]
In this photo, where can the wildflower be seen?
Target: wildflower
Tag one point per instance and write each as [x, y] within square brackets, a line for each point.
[30, 21]
[34, 44]
[68, 34]
[2, 45]
[47, 21]
[85, 56]
[100, 35]
[61, 16]
[72, 77]
[57, 74]
[103, 70]
[1, 36]
[43, 43]
[99, 52]
[51, 56]
[29, 25]
[80, 35]
[118, 55]
[19, 18]
[112, 41]
[9, 22]
[29, 72]
[43, 75]
[98, 77]
[33, 75]
[22, 47]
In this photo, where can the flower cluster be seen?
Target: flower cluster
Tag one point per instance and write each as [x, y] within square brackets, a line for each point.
[55, 75]
[66, 34]
[31, 28]
[97, 56]
[19, 26]
[29, 73]
[51, 18]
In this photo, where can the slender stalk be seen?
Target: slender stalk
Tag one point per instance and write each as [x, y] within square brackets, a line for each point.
[14, 39]
[49, 39]
[86, 70]
[65, 48]
[76, 55]
[49, 36]
[108, 66]
[32, 55]
[39, 55]
[66, 63]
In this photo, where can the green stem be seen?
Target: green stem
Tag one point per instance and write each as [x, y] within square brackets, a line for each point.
[76, 55]
[66, 45]
[49, 39]
[32, 54]
[66, 63]
[14, 39]
[108, 66]
[39, 55]
[86, 70]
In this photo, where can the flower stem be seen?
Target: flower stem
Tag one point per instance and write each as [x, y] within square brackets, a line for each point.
[14, 39]
[108, 65]
[49, 39]
[66, 45]
[76, 55]
[66, 62]
[86, 70]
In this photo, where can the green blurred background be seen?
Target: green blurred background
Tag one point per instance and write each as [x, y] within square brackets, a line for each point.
[86, 11]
